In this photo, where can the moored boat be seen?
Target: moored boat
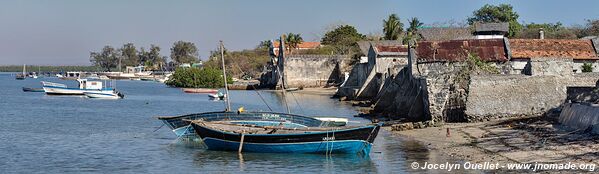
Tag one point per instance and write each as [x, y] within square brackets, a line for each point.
[180, 125]
[27, 89]
[226, 136]
[114, 95]
[199, 90]
[84, 86]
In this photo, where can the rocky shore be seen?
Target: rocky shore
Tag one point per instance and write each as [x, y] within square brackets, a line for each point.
[516, 140]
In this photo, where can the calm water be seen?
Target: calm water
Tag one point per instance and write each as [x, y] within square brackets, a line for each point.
[56, 134]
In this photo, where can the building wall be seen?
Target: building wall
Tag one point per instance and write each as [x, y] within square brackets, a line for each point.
[315, 70]
[496, 96]
[551, 66]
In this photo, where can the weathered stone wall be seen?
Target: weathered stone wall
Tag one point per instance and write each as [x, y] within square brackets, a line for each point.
[551, 66]
[315, 70]
[493, 96]
[404, 98]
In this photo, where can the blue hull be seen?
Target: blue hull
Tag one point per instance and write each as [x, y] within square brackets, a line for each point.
[322, 147]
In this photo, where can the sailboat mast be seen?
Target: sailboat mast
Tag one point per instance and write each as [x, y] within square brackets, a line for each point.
[281, 74]
[222, 56]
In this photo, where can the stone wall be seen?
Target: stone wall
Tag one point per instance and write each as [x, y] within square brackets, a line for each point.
[551, 66]
[403, 97]
[493, 96]
[315, 70]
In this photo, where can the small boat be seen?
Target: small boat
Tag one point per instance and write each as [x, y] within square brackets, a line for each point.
[22, 75]
[114, 95]
[226, 136]
[26, 89]
[181, 126]
[199, 90]
[217, 96]
[84, 86]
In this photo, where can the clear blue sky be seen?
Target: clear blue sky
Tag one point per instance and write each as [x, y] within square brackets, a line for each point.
[63, 32]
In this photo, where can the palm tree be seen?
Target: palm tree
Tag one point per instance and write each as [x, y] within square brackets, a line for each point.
[392, 27]
[292, 41]
[414, 25]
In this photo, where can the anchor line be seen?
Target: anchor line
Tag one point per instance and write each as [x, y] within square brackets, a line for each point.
[160, 127]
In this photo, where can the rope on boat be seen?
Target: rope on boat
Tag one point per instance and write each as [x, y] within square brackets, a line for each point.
[262, 98]
[300, 106]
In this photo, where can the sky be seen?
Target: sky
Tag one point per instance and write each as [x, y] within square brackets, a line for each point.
[63, 32]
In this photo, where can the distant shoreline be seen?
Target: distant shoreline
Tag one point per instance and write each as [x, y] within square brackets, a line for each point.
[48, 68]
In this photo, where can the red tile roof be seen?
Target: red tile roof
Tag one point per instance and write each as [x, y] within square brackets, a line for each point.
[303, 45]
[457, 50]
[552, 48]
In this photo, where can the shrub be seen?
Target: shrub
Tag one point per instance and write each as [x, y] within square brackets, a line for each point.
[197, 78]
[587, 67]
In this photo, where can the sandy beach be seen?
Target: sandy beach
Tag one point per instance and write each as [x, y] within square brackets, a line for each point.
[518, 140]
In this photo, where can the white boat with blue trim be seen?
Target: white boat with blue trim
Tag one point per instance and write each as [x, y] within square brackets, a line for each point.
[94, 88]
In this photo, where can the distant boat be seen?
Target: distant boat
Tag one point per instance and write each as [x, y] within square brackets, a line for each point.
[22, 75]
[84, 86]
[199, 90]
[26, 89]
[217, 96]
[114, 95]
[229, 136]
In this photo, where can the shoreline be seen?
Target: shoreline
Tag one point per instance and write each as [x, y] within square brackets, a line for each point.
[514, 140]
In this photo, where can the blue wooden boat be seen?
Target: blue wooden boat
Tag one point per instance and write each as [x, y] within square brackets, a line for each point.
[181, 125]
[226, 136]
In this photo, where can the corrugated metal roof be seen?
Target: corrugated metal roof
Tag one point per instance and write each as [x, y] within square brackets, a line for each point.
[395, 50]
[457, 50]
[553, 48]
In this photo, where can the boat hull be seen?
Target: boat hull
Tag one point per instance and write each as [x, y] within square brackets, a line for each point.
[102, 95]
[181, 127]
[54, 90]
[354, 140]
[26, 89]
[199, 90]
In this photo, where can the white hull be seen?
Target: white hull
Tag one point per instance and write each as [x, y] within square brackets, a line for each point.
[72, 91]
[102, 95]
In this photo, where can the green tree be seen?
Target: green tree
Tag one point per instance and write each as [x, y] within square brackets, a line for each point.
[412, 30]
[551, 31]
[152, 58]
[129, 55]
[392, 27]
[591, 28]
[264, 45]
[499, 13]
[106, 59]
[343, 39]
[292, 41]
[206, 77]
[184, 52]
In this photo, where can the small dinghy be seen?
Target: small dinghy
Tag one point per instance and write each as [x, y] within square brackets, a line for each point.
[227, 136]
[27, 89]
[114, 95]
[199, 90]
